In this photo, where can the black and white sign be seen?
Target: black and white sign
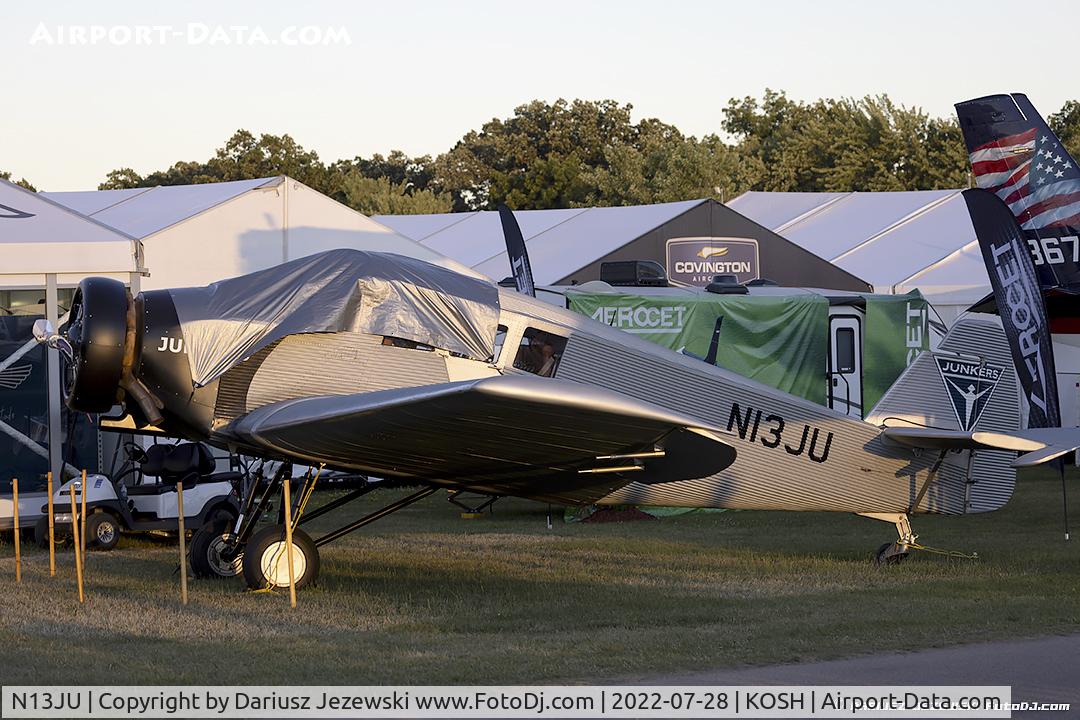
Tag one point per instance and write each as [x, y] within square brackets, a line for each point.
[970, 386]
[695, 260]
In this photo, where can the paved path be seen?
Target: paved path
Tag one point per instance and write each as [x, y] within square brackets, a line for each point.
[1044, 670]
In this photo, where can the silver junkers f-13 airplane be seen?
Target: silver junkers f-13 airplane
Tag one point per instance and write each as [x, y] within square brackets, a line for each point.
[397, 368]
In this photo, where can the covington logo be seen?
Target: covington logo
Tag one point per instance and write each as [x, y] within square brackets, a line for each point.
[970, 386]
[694, 261]
[10, 213]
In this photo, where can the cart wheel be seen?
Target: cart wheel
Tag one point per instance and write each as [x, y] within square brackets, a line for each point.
[265, 563]
[207, 548]
[41, 534]
[103, 531]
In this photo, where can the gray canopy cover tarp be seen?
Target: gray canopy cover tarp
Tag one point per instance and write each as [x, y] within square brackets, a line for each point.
[335, 291]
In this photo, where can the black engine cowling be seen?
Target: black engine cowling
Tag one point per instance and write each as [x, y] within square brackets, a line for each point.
[96, 331]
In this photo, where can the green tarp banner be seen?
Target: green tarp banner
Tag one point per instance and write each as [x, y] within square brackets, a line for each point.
[778, 341]
[895, 332]
[781, 341]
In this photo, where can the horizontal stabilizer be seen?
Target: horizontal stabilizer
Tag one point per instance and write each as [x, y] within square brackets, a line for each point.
[1040, 445]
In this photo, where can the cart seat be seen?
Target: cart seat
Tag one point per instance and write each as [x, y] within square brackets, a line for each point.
[149, 489]
[189, 462]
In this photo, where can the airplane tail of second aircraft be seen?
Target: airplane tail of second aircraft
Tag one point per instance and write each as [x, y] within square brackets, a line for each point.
[1015, 155]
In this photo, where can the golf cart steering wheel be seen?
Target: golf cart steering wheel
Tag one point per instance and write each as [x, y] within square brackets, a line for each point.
[135, 452]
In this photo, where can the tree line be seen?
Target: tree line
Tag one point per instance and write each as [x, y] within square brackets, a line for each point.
[590, 153]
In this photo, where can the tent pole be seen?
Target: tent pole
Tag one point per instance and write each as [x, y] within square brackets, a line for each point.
[56, 438]
[285, 220]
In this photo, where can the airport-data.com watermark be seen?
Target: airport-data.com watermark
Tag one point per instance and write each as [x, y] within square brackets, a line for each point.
[192, 33]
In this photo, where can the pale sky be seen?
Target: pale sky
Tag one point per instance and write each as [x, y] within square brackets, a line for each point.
[417, 75]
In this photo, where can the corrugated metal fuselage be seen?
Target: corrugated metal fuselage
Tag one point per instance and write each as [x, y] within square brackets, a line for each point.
[792, 454]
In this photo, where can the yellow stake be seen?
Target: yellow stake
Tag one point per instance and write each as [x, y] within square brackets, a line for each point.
[183, 541]
[288, 541]
[52, 536]
[75, 535]
[15, 519]
[82, 526]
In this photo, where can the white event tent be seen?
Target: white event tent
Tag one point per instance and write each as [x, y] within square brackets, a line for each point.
[45, 246]
[197, 234]
[896, 241]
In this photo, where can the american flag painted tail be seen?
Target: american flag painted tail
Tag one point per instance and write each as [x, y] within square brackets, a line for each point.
[1016, 156]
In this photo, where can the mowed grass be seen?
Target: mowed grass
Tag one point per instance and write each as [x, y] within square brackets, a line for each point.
[424, 597]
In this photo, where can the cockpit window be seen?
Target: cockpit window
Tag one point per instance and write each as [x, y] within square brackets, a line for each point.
[539, 352]
[403, 343]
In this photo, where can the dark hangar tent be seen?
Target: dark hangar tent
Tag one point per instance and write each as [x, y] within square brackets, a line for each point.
[693, 240]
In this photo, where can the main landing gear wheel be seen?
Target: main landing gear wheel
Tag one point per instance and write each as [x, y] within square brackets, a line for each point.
[102, 531]
[266, 565]
[213, 551]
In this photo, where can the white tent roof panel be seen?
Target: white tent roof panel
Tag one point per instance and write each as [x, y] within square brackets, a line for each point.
[93, 201]
[924, 241]
[585, 238]
[143, 212]
[39, 236]
[421, 227]
[238, 227]
[850, 220]
[777, 209]
[556, 239]
[480, 239]
[897, 241]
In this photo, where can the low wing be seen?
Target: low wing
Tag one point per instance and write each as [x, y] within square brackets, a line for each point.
[1039, 445]
[521, 435]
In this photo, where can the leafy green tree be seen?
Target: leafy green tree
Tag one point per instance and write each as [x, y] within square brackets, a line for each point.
[122, 178]
[535, 159]
[843, 145]
[397, 167]
[581, 153]
[381, 196]
[5, 175]
[1066, 125]
[659, 164]
[243, 157]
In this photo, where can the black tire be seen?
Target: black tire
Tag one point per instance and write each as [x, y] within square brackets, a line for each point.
[265, 564]
[41, 532]
[61, 533]
[205, 551]
[221, 514]
[882, 558]
[102, 531]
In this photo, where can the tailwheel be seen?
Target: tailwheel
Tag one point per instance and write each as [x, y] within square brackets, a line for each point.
[891, 554]
[266, 566]
[214, 551]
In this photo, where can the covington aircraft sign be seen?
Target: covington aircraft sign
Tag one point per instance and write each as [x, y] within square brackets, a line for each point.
[695, 260]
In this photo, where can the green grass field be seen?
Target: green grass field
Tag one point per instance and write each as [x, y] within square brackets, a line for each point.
[426, 597]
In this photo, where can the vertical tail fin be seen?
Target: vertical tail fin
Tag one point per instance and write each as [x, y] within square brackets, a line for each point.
[1020, 304]
[965, 386]
[1016, 156]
